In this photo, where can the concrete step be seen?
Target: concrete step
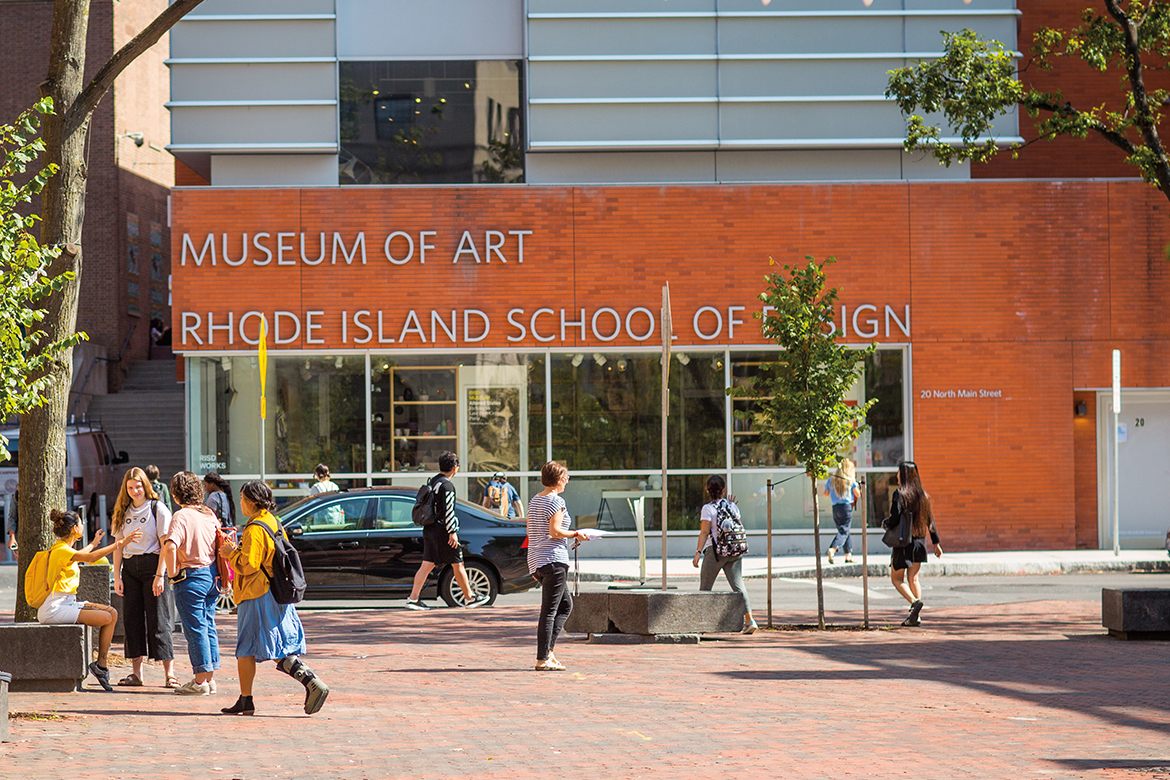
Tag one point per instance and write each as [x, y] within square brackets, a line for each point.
[152, 376]
[149, 426]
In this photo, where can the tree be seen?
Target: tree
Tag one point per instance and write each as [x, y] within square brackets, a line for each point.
[24, 354]
[42, 430]
[976, 80]
[801, 407]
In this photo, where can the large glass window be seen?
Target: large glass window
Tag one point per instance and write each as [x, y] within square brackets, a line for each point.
[881, 379]
[478, 406]
[607, 411]
[493, 411]
[316, 414]
[454, 122]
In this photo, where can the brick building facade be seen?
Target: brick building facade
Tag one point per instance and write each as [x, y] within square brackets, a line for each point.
[126, 274]
[664, 144]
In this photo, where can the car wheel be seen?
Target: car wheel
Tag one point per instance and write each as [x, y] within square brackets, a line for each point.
[480, 578]
[225, 602]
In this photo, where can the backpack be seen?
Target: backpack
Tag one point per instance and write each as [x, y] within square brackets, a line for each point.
[287, 581]
[498, 497]
[730, 535]
[36, 580]
[425, 506]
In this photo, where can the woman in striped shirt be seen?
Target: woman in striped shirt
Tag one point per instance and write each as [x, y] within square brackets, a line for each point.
[548, 560]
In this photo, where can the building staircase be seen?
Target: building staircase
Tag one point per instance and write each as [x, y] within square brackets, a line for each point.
[146, 419]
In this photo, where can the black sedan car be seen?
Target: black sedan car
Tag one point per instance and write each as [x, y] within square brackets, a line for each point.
[362, 543]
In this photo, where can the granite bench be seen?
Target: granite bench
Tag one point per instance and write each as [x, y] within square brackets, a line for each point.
[1136, 613]
[49, 659]
[54, 659]
[656, 613]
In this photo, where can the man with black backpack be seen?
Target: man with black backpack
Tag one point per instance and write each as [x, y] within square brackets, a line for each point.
[440, 534]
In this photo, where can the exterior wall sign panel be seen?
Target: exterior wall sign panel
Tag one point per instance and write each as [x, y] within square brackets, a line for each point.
[1010, 295]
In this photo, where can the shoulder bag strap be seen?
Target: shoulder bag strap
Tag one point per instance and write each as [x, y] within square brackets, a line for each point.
[272, 534]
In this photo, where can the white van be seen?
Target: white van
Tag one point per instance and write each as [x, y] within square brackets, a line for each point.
[91, 468]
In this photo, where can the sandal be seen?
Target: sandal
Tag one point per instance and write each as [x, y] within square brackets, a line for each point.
[172, 682]
[131, 681]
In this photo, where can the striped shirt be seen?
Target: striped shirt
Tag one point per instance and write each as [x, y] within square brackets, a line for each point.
[542, 548]
[445, 503]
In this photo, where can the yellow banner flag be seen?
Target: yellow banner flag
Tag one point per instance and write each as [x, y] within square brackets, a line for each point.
[263, 364]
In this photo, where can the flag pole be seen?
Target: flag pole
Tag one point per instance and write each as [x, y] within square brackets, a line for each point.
[666, 335]
[263, 356]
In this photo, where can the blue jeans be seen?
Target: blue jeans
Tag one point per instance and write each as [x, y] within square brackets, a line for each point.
[195, 598]
[843, 517]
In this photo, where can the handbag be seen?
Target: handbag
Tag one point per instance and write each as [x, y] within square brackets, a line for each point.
[897, 531]
[223, 569]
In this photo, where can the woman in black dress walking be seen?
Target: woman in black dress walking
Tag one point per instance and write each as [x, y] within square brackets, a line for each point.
[905, 561]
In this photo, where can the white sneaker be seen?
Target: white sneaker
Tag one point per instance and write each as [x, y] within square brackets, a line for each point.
[211, 687]
[192, 688]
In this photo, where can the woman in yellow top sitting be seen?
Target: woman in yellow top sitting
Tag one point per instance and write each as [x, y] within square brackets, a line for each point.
[266, 630]
[62, 605]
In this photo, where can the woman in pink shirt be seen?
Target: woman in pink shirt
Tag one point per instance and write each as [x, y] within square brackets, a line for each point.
[190, 561]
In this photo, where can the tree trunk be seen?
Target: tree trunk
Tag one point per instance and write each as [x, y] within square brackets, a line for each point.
[817, 545]
[41, 478]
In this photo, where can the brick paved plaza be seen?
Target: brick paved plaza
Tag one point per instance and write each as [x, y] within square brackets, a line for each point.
[1032, 690]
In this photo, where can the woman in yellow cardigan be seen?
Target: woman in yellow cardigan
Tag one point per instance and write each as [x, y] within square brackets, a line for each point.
[266, 630]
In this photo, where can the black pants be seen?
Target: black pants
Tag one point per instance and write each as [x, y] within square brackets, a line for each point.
[149, 619]
[555, 606]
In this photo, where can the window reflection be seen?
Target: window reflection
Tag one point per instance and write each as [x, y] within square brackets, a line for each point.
[431, 122]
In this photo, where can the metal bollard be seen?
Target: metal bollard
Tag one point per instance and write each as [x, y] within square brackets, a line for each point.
[5, 678]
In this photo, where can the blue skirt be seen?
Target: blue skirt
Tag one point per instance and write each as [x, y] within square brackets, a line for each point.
[268, 631]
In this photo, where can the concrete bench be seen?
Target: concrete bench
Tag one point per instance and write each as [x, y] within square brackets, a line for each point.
[49, 659]
[1136, 613]
[656, 613]
[54, 659]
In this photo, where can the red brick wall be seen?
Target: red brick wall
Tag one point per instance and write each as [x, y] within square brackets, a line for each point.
[1085, 470]
[123, 178]
[1020, 289]
[185, 176]
[1081, 85]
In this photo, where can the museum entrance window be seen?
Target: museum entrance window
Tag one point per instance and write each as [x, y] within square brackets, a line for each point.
[474, 406]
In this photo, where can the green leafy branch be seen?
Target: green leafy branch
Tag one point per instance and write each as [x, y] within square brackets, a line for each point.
[977, 80]
[800, 397]
[24, 277]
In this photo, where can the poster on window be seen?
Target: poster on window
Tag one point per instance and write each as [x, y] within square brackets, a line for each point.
[493, 429]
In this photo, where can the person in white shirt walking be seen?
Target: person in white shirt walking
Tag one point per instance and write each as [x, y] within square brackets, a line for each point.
[548, 560]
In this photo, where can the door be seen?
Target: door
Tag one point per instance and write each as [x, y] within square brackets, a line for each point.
[394, 545]
[331, 544]
[1144, 466]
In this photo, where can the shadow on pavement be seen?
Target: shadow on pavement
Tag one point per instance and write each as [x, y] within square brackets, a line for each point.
[1023, 656]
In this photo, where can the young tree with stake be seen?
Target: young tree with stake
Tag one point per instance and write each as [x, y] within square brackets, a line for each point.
[800, 398]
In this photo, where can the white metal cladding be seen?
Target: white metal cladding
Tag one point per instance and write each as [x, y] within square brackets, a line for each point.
[193, 127]
[282, 8]
[787, 75]
[448, 30]
[254, 81]
[253, 76]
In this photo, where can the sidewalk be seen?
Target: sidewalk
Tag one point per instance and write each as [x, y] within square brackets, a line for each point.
[953, 564]
[1032, 690]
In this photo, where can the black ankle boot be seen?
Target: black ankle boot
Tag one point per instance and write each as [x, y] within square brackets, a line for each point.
[243, 706]
[316, 691]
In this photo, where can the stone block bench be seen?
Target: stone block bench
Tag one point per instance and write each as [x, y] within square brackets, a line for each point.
[656, 613]
[1132, 613]
[54, 659]
[48, 659]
